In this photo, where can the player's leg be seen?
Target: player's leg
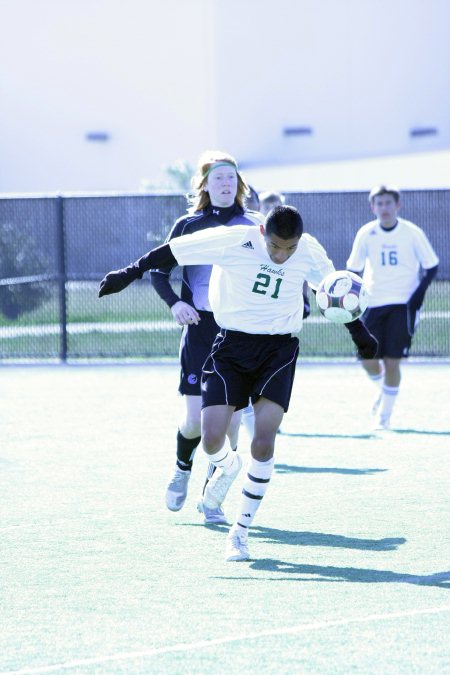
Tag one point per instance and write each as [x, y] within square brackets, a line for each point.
[390, 392]
[224, 390]
[396, 345]
[274, 386]
[217, 515]
[248, 420]
[215, 423]
[374, 319]
[192, 356]
[188, 439]
[375, 372]
[268, 417]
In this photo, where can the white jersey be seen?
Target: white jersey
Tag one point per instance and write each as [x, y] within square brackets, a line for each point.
[391, 260]
[247, 291]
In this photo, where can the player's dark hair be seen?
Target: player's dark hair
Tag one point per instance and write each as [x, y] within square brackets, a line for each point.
[284, 221]
[252, 199]
[381, 190]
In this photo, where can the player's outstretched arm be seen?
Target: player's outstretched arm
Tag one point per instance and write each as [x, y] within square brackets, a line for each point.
[365, 342]
[117, 280]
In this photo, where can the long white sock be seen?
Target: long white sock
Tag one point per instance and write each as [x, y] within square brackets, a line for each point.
[248, 420]
[224, 459]
[377, 380]
[388, 400]
[254, 488]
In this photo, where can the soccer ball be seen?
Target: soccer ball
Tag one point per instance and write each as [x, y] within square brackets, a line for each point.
[341, 297]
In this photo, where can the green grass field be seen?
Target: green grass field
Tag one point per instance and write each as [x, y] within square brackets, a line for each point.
[93, 323]
[349, 569]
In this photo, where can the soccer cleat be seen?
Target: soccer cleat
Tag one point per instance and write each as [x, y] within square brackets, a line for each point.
[212, 515]
[382, 423]
[236, 547]
[177, 490]
[217, 488]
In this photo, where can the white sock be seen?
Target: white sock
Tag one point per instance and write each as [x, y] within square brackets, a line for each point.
[248, 420]
[224, 459]
[254, 488]
[377, 380]
[388, 401]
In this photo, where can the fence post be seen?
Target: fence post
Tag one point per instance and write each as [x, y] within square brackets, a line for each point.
[62, 278]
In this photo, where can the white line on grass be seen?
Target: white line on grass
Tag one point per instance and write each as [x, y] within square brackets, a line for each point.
[135, 326]
[289, 630]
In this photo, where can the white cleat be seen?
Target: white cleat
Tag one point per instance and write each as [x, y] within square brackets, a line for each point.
[177, 490]
[382, 424]
[212, 515]
[217, 488]
[236, 548]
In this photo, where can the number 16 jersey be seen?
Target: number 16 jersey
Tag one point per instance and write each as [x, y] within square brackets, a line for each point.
[391, 260]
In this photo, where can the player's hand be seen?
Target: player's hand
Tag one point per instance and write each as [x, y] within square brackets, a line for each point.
[114, 282]
[184, 314]
[365, 342]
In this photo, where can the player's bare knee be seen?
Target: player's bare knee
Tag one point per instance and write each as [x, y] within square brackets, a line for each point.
[262, 449]
[190, 428]
[212, 441]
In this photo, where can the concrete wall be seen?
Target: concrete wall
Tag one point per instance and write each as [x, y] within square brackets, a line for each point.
[165, 80]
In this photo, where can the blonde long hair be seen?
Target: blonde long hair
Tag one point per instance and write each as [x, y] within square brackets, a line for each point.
[198, 198]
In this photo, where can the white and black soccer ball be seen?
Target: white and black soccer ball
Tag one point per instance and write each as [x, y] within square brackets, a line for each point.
[341, 297]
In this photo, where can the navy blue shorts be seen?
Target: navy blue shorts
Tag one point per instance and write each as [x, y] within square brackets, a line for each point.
[195, 347]
[243, 366]
[393, 327]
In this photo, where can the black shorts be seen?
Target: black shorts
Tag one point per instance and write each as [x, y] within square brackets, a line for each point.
[195, 347]
[393, 327]
[243, 366]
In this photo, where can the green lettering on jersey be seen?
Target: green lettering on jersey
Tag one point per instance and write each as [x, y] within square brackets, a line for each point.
[262, 286]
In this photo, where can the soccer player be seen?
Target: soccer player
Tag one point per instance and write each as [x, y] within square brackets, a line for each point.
[268, 200]
[399, 264]
[218, 198]
[256, 296]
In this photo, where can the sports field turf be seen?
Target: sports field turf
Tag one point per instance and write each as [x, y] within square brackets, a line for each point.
[350, 551]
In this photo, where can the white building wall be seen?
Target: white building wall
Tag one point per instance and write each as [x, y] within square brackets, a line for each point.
[359, 73]
[134, 69]
[167, 79]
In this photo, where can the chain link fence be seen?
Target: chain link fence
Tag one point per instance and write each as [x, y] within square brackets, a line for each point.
[54, 250]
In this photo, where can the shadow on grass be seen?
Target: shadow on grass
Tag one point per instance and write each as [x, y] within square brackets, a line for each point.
[288, 468]
[423, 432]
[349, 574]
[274, 536]
[330, 435]
[373, 435]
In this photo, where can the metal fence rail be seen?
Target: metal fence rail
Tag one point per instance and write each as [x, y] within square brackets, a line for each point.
[55, 249]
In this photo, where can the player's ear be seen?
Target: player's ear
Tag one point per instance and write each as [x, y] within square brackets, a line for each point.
[262, 230]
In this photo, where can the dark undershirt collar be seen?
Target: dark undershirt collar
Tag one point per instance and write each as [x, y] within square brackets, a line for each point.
[222, 213]
[389, 229]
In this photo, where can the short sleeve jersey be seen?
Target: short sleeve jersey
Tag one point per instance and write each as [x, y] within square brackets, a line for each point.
[391, 260]
[248, 292]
